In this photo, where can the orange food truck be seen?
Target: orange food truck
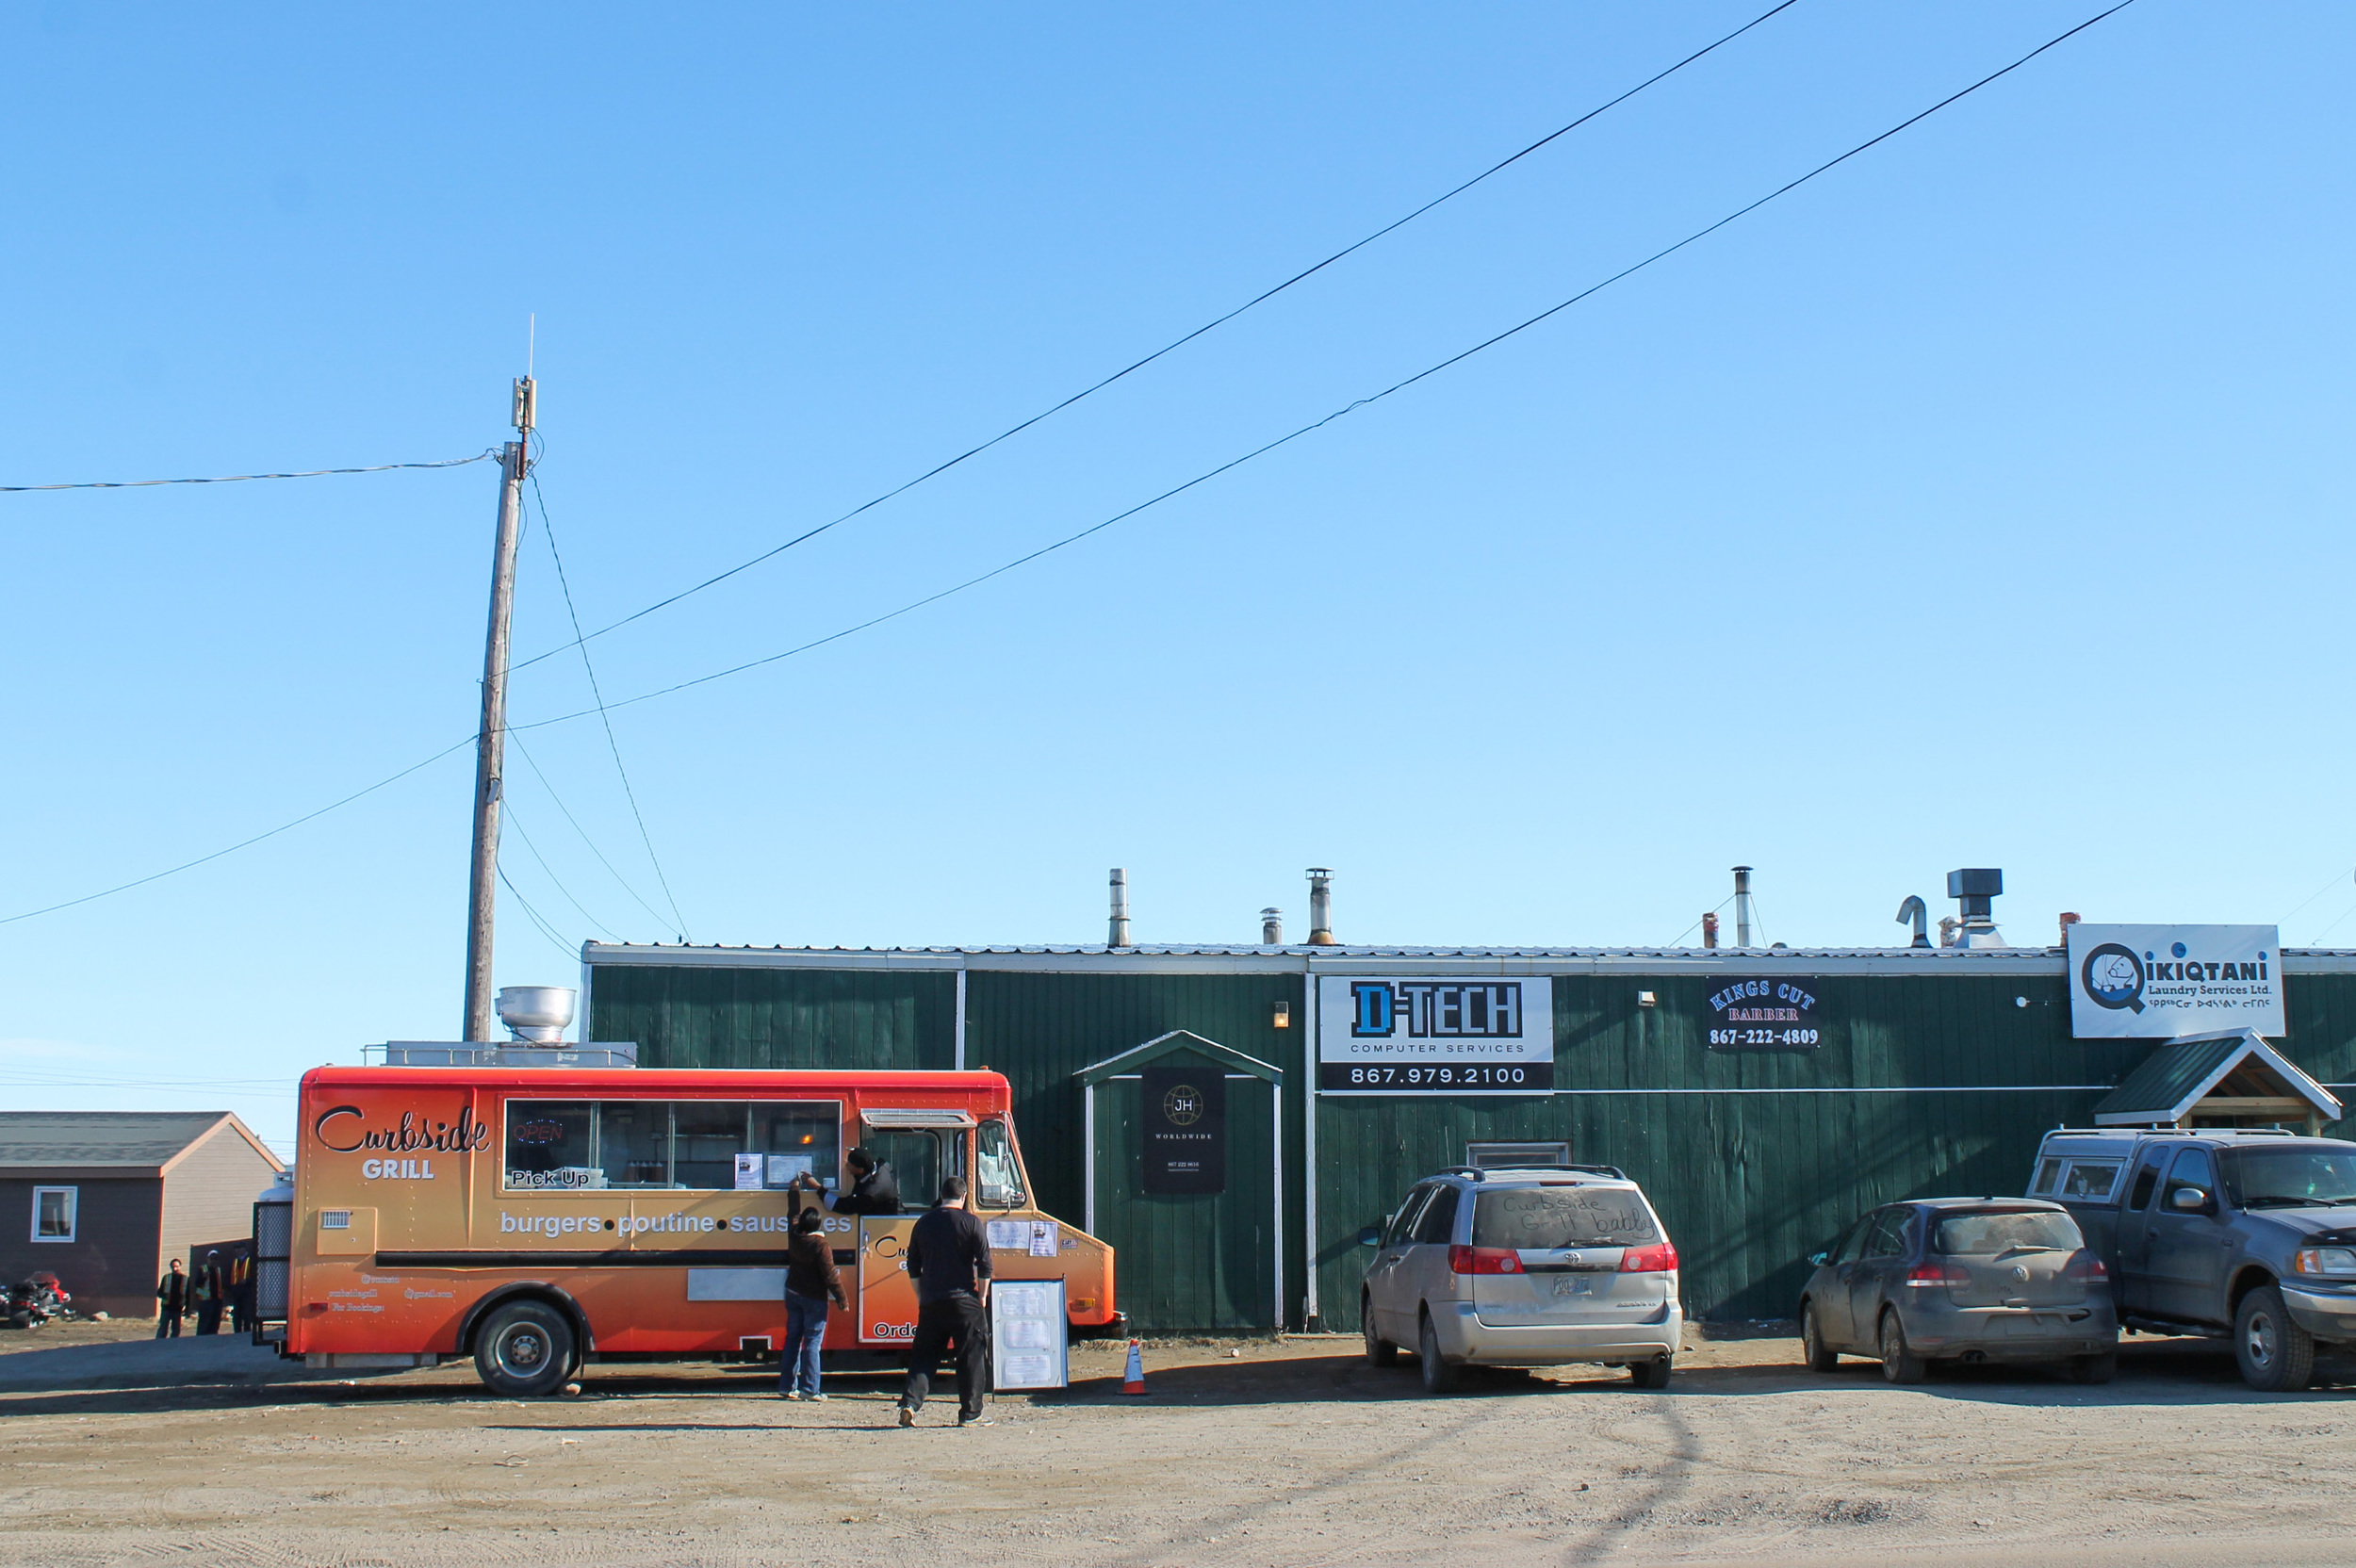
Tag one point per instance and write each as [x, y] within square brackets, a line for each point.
[537, 1218]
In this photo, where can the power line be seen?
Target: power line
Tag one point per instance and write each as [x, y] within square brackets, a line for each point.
[586, 838]
[240, 478]
[548, 531]
[1174, 344]
[509, 816]
[189, 865]
[2337, 878]
[1348, 408]
[537, 919]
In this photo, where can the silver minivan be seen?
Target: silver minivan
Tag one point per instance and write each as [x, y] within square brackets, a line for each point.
[1536, 1266]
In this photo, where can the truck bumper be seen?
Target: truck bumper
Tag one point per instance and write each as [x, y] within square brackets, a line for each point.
[2328, 1316]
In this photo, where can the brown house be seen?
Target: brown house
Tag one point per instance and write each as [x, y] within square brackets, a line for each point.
[103, 1198]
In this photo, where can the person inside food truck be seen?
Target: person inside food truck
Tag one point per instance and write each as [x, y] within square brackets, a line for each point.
[873, 1188]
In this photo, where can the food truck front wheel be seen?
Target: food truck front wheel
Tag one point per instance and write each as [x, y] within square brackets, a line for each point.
[524, 1348]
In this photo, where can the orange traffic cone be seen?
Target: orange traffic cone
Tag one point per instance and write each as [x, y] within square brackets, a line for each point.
[1135, 1381]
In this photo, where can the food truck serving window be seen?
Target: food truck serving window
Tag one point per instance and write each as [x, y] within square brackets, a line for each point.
[692, 1145]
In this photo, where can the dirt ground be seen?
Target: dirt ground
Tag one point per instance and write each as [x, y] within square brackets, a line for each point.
[117, 1449]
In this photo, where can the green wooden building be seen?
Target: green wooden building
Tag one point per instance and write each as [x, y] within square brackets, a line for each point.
[1763, 1098]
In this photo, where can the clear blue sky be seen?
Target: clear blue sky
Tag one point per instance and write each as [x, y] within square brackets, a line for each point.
[1982, 503]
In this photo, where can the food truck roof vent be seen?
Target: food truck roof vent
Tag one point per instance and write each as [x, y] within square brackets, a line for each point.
[536, 1015]
[1974, 890]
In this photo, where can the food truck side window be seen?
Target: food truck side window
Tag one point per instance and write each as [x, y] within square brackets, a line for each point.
[550, 1145]
[684, 1145]
[998, 1177]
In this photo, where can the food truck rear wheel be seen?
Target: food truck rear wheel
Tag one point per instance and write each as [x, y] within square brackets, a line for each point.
[524, 1348]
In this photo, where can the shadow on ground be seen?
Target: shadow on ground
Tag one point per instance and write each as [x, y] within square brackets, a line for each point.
[141, 1377]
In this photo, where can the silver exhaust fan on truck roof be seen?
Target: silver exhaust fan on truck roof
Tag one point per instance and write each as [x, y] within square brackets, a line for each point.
[536, 1015]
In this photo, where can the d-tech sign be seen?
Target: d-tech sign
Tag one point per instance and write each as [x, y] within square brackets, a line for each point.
[1444, 1035]
[2156, 982]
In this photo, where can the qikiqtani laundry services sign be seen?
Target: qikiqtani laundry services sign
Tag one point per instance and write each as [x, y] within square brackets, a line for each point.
[2156, 982]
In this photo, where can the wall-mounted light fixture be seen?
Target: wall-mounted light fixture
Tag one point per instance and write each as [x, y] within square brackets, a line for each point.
[1284, 1018]
[1646, 999]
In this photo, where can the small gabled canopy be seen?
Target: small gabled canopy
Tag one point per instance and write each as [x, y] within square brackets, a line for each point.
[2232, 1065]
[1171, 1044]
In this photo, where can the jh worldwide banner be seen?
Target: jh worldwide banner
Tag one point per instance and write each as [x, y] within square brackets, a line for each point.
[1436, 1035]
[2156, 982]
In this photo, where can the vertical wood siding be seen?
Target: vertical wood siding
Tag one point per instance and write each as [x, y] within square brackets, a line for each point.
[1207, 1261]
[777, 1017]
[1041, 1029]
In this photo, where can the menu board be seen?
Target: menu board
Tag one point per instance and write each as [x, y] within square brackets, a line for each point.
[1029, 1335]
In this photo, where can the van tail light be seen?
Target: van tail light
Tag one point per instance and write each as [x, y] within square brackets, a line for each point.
[1938, 1274]
[1483, 1260]
[1661, 1258]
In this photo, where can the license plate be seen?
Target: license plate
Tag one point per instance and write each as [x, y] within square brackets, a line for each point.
[1573, 1284]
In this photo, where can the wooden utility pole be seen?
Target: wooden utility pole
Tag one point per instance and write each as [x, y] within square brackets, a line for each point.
[491, 743]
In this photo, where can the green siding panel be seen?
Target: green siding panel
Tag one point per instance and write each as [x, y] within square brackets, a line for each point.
[1212, 1262]
[777, 1018]
[1041, 1029]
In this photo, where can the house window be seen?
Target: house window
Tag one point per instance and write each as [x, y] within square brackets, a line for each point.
[52, 1213]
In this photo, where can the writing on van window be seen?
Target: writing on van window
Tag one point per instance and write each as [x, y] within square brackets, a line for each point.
[1541, 1218]
[671, 1145]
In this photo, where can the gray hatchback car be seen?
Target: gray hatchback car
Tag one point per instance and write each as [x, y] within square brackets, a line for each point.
[1961, 1279]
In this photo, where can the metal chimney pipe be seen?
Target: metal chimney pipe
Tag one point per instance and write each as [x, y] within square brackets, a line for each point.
[1272, 927]
[1710, 929]
[1118, 935]
[1741, 905]
[1320, 908]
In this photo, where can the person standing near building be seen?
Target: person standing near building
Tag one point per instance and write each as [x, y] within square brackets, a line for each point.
[172, 1301]
[810, 1281]
[949, 1260]
[207, 1291]
[242, 1292]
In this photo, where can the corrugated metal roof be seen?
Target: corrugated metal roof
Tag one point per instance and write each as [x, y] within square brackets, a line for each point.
[1211, 950]
[1238, 949]
[136, 1139]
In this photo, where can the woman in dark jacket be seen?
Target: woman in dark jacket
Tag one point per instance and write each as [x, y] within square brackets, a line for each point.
[811, 1280]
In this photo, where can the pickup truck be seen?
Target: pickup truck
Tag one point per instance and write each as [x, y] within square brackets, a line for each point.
[2247, 1235]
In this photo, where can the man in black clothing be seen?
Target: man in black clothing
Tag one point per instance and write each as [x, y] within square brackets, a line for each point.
[172, 1301]
[873, 1188]
[949, 1260]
